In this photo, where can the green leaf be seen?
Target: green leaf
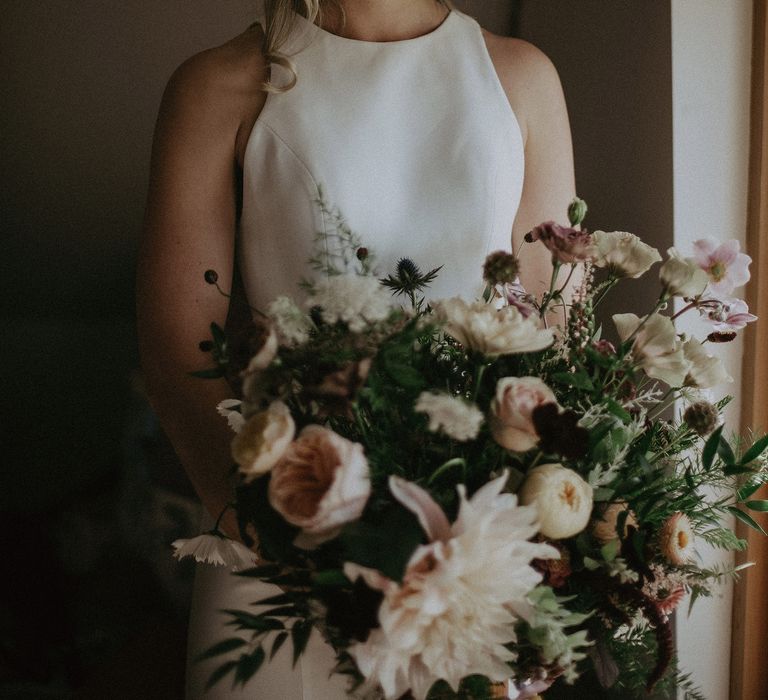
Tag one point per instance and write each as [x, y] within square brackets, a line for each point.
[221, 648]
[281, 599]
[577, 380]
[300, 636]
[735, 469]
[748, 489]
[330, 577]
[219, 673]
[746, 519]
[279, 641]
[618, 410]
[760, 506]
[214, 373]
[710, 448]
[610, 550]
[248, 665]
[283, 611]
[257, 623]
[219, 337]
[755, 451]
[265, 571]
[726, 452]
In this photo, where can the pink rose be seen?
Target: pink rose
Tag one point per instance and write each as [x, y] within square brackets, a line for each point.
[512, 411]
[320, 483]
[567, 245]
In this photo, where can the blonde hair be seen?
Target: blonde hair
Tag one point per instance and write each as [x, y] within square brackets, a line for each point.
[279, 19]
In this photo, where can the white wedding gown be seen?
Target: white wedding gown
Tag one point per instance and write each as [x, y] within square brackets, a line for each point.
[417, 146]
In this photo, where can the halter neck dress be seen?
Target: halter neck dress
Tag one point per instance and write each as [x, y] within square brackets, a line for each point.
[415, 144]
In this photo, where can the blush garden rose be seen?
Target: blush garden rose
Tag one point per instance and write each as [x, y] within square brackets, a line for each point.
[320, 483]
[512, 411]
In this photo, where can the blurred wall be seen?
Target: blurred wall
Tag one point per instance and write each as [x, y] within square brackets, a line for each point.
[711, 44]
[615, 64]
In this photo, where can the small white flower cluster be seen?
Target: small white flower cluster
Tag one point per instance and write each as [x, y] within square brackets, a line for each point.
[356, 300]
[455, 417]
[291, 322]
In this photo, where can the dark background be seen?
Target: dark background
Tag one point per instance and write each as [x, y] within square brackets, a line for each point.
[91, 494]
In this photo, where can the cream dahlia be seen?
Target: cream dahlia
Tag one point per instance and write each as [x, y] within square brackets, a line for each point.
[461, 595]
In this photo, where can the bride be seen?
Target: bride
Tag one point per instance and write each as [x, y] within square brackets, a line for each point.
[435, 139]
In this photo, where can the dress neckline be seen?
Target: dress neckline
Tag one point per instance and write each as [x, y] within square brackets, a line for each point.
[397, 42]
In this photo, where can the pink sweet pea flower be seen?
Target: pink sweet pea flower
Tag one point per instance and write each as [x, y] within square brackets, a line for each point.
[567, 244]
[725, 265]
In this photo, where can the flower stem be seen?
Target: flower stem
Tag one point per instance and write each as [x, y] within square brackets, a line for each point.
[551, 294]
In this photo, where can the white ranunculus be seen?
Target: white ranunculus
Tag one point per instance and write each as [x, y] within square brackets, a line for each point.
[562, 498]
[320, 483]
[454, 416]
[682, 277]
[705, 370]
[262, 440]
[214, 548]
[483, 328]
[623, 253]
[461, 597]
[512, 411]
[357, 300]
[656, 347]
[292, 324]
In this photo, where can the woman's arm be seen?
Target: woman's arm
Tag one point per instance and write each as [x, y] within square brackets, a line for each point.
[536, 96]
[189, 227]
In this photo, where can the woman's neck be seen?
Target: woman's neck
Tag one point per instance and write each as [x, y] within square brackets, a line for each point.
[384, 20]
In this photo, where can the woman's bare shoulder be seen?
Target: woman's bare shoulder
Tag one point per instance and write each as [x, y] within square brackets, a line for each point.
[221, 84]
[528, 76]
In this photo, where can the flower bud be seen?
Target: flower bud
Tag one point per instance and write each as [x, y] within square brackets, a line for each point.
[701, 417]
[577, 211]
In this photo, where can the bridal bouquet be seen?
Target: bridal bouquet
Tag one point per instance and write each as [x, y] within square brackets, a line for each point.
[480, 498]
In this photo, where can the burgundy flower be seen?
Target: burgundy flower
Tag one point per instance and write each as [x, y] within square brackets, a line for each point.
[567, 245]
[559, 432]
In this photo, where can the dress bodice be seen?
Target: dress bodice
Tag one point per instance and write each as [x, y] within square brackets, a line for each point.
[414, 142]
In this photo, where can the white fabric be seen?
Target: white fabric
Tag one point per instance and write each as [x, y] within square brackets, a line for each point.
[417, 146]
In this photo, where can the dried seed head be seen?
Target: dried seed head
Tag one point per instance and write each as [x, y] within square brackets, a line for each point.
[701, 417]
[500, 267]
